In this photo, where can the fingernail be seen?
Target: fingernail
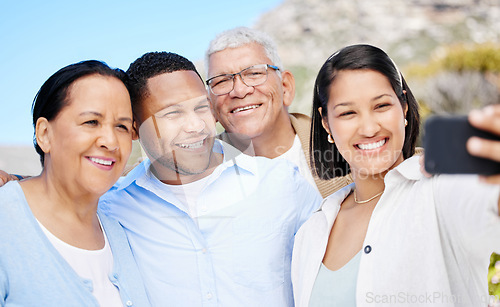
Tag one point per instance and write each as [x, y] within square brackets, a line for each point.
[476, 115]
[489, 110]
[474, 145]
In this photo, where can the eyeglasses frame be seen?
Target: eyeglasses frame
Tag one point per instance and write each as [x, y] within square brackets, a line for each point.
[276, 68]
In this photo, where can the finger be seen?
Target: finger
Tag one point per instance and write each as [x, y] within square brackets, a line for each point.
[484, 148]
[12, 178]
[4, 177]
[487, 119]
[494, 179]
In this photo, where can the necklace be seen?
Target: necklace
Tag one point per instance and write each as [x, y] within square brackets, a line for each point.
[365, 201]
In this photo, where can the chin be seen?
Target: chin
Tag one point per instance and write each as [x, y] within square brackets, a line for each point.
[101, 189]
[194, 170]
[372, 169]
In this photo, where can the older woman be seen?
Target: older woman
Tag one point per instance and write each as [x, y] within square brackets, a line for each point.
[56, 247]
[393, 237]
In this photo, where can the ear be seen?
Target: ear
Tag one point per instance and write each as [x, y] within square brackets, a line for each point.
[42, 131]
[288, 83]
[405, 109]
[212, 107]
[135, 133]
[324, 121]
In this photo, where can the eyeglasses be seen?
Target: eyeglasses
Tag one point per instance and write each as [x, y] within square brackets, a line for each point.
[251, 76]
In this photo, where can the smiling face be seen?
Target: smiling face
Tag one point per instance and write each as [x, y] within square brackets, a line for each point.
[88, 143]
[246, 110]
[177, 127]
[366, 120]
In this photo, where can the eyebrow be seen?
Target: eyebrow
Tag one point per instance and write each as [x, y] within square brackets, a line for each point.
[380, 96]
[127, 119]
[342, 104]
[345, 104]
[178, 105]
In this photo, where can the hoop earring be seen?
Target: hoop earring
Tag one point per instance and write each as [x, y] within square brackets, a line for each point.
[330, 139]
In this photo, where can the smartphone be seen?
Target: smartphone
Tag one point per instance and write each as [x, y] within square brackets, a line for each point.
[445, 151]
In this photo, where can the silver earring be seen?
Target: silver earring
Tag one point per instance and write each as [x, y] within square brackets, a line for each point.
[406, 122]
[330, 139]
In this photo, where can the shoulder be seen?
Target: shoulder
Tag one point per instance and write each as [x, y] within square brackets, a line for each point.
[114, 232]
[10, 190]
[279, 169]
[255, 164]
[314, 226]
[322, 220]
[300, 118]
[109, 224]
[136, 173]
[301, 123]
[11, 198]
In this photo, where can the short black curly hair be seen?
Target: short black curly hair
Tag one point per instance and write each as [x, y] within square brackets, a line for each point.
[150, 65]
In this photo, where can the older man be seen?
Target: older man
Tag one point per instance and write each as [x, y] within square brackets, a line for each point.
[251, 93]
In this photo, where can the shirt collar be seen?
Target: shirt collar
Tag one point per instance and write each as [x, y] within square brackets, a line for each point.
[232, 158]
[331, 205]
[409, 169]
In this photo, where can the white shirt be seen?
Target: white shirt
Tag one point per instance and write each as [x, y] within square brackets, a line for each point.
[296, 155]
[189, 193]
[428, 243]
[94, 265]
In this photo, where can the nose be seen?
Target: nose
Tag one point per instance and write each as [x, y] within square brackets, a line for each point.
[194, 123]
[368, 126]
[108, 139]
[240, 89]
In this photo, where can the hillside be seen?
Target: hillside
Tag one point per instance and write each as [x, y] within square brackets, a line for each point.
[308, 31]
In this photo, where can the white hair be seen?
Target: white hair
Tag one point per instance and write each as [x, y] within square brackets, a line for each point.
[240, 36]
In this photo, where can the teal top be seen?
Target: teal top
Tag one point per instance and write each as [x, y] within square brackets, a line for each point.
[336, 288]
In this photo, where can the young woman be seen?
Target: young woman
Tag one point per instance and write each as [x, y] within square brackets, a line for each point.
[56, 247]
[393, 237]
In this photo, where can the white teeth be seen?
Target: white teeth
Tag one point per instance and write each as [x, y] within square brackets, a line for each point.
[101, 161]
[372, 145]
[245, 108]
[192, 145]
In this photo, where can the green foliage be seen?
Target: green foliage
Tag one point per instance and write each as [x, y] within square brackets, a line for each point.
[494, 273]
[482, 58]
[457, 78]
[458, 58]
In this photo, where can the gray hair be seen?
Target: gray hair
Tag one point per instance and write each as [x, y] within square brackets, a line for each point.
[240, 36]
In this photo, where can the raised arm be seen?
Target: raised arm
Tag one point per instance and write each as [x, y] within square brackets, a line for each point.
[487, 119]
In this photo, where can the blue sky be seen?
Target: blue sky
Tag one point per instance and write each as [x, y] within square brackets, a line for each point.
[39, 37]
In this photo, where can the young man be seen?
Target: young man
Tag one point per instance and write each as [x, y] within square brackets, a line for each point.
[254, 111]
[208, 225]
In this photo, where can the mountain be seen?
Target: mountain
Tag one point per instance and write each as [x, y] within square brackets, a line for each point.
[308, 31]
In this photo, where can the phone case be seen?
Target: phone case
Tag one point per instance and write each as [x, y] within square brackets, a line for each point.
[445, 150]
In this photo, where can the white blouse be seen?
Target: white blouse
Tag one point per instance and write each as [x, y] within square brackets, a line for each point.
[428, 242]
[93, 265]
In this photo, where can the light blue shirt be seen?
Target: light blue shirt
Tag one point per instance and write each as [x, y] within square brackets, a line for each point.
[238, 253]
[33, 273]
[336, 288]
